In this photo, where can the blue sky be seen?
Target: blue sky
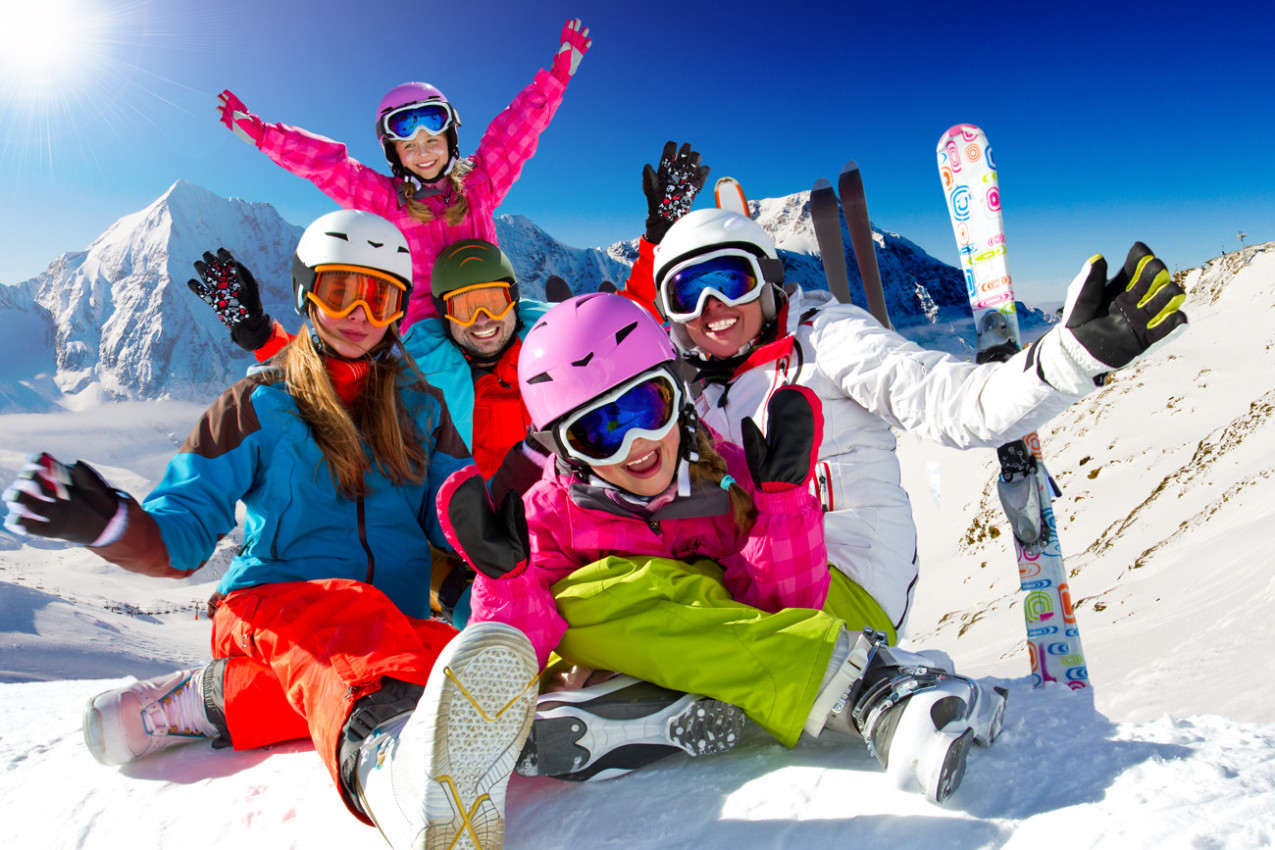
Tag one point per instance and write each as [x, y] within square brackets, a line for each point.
[1108, 126]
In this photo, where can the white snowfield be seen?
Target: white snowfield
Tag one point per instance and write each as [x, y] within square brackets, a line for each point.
[1168, 478]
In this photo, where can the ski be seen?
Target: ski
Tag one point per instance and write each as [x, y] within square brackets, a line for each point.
[825, 215]
[968, 174]
[556, 289]
[729, 195]
[854, 204]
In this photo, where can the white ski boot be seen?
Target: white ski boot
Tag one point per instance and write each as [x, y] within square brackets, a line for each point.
[436, 778]
[128, 723]
[917, 718]
[623, 723]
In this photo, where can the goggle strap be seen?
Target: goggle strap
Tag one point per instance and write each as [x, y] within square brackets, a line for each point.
[772, 270]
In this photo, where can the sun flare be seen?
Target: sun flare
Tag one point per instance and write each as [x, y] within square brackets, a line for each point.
[48, 44]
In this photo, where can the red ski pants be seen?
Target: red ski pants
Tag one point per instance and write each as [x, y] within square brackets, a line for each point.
[301, 653]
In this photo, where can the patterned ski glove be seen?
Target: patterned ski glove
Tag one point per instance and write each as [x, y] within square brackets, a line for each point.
[236, 116]
[1107, 325]
[50, 499]
[785, 457]
[228, 287]
[575, 43]
[671, 189]
[495, 544]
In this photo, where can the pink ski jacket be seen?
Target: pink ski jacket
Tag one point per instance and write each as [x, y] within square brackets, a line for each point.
[510, 140]
[780, 563]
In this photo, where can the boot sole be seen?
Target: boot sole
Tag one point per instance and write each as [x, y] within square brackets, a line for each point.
[485, 684]
[941, 773]
[582, 736]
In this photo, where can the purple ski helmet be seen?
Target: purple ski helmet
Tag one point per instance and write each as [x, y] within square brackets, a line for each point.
[409, 94]
[584, 347]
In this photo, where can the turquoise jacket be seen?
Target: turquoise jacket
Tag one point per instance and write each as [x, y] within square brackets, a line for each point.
[252, 446]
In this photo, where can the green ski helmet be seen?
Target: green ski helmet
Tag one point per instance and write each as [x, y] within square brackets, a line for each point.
[466, 263]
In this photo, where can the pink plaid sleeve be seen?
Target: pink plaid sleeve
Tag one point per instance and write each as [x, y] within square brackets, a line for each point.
[783, 562]
[327, 165]
[525, 601]
[512, 137]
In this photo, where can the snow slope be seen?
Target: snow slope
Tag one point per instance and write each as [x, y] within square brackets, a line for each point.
[1167, 476]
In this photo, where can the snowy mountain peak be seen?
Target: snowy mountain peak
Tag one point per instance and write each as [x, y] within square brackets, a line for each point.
[118, 316]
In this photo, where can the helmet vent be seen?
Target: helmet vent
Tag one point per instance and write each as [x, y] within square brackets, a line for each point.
[336, 235]
[583, 361]
[624, 331]
[376, 244]
[543, 377]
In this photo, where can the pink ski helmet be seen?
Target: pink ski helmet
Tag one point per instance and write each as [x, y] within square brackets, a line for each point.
[409, 94]
[584, 347]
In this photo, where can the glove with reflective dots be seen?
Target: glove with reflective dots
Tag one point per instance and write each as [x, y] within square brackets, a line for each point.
[575, 43]
[1107, 325]
[495, 544]
[785, 457]
[671, 189]
[236, 116]
[228, 287]
[50, 499]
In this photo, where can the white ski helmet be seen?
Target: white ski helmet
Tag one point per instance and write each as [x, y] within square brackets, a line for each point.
[349, 238]
[703, 231]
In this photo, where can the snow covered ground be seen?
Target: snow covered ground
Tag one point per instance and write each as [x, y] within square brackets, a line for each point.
[1168, 478]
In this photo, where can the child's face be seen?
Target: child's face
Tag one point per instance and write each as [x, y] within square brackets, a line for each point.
[649, 468]
[721, 330]
[425, 155]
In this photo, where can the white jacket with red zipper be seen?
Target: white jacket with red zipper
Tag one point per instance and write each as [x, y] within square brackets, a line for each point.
[871, 380]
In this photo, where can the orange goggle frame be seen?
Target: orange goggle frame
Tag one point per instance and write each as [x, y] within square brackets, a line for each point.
[339, 289]
[464, 305]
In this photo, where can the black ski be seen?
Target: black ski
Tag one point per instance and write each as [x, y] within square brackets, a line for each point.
[855, 205]
[825, 214]
[556, 289]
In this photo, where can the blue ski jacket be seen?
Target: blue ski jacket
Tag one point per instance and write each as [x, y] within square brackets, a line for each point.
[252, 446]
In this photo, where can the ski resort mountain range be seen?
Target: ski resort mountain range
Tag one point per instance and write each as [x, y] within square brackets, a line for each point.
[117, 321]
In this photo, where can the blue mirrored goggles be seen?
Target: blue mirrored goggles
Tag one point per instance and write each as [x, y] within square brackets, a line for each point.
[404, 123]
[603, 433]
[731, 275]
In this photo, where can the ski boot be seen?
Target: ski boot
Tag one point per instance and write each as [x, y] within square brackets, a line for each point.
[436, 777]
[917, 717]
[623, 723]
[126, 724]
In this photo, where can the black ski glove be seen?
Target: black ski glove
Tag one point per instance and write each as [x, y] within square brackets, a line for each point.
[49, 499]
[495, 544]
[1107, 325]
[228, 287]
[671, 190]
[785, 457]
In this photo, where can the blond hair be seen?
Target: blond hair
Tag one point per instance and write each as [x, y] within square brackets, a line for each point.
[374, 424]
[453, 213]
[712, 467]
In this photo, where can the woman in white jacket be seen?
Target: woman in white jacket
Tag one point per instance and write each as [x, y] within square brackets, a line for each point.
[717, 280]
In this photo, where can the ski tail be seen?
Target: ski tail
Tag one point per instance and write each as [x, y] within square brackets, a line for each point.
[729, 195]
[972, 191]
[556, 289]
[854, 204]
[825, 214]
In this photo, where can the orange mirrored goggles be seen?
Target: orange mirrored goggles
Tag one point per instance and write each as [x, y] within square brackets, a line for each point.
[464, 305]
[339, 289]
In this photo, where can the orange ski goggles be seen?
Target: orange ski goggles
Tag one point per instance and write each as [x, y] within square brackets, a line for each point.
[339, 289]
[464, 305]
